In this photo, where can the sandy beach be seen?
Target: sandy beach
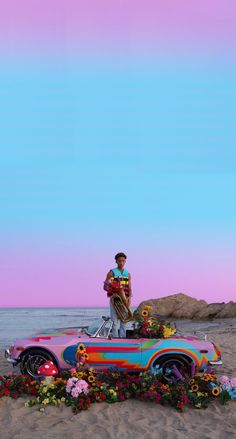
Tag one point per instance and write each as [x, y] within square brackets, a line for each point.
[131, 418]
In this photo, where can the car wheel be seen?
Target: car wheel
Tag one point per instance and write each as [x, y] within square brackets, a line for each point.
[32, 360]
[181, 365]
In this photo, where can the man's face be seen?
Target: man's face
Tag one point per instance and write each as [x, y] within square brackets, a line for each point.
[121, 261]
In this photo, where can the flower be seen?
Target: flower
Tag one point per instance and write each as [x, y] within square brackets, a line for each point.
[194, 387]
[233, 383]
[144, 313]
[224, 380]
[215, 391]
[91, 378]
[80, 374]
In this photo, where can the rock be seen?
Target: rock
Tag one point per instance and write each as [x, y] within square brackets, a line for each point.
[182, 306]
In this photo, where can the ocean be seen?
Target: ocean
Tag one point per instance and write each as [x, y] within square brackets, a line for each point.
[20, 322]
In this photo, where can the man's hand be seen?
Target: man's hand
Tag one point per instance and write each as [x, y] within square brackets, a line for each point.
[108, 281]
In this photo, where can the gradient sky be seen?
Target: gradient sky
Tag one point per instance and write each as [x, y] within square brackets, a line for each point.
[117, 133]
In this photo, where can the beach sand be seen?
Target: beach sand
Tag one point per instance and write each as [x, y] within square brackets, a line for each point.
[128, 419]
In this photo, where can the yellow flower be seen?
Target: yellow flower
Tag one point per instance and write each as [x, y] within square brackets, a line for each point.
[91, 378]
[81, 349]
[215, 391]
[63, 399]
[86, 356]
[194, 387]
[80, 374]
[199, 404]
[144, 313]
[45, 401]
[192, 381]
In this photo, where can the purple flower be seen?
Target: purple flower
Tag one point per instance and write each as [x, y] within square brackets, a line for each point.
[233, 383]
[224, 380]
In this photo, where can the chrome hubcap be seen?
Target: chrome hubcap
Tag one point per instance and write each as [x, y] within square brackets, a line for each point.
[32, 363]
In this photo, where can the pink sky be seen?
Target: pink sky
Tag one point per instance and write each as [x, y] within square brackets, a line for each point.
[63, 276]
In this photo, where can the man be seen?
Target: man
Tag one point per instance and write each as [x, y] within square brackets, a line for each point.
[124, 276]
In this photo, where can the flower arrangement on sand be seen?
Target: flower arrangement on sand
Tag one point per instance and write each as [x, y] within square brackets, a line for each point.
[151, 326]
[81, 386]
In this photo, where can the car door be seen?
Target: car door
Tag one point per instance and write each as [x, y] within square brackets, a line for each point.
[120, 353]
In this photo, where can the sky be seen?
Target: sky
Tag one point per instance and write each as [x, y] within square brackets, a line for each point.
[117, 133]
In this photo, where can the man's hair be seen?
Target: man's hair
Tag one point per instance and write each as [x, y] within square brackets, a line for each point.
[120, 254]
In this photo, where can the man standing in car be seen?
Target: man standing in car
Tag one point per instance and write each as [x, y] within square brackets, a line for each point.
[118, 273]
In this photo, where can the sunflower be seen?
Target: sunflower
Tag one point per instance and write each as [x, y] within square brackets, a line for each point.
[81, 347]
[192, 381]
[144, 313]
[215, 391]
[194, 387]
[80, 374]
[86, 356]
[91, 378]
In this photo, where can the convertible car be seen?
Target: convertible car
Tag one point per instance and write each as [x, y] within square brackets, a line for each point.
[187, 353]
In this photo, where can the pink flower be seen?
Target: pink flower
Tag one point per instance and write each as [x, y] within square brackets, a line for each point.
[72, 370]
[233, 383]
[224, 380]
[71, 382]
[82, 386]
[75, 392]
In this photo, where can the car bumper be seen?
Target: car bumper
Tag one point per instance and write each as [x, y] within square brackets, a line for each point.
[8, 357]
[215, 363]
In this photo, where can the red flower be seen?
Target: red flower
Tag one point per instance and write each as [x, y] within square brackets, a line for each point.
[180, 404]
[6, 392]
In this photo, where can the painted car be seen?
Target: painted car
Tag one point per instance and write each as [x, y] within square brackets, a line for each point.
[187, 352]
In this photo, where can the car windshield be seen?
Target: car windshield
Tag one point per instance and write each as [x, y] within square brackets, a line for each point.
[94, 326]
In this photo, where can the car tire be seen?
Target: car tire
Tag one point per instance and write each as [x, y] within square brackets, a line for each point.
[32, 360]
[167, 361]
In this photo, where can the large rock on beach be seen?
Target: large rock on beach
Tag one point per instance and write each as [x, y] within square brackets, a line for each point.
[182, 306]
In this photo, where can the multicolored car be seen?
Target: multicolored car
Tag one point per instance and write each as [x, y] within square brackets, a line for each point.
[187, 353]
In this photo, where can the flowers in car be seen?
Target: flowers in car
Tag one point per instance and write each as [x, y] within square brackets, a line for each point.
[149, 325]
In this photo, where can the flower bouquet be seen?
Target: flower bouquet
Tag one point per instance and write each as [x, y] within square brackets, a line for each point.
[152, 326]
